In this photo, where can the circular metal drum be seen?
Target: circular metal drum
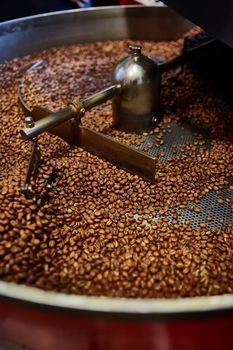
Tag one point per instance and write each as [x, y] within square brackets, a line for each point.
[34, 319]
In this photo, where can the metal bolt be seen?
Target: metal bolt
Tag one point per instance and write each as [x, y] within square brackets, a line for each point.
[29, 122]
[135, 49]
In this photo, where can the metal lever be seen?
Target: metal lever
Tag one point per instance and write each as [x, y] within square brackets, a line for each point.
[33, 164]
[32, 171]
[75, 109]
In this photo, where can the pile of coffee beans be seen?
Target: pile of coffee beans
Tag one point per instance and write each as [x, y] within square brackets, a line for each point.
[105, 231]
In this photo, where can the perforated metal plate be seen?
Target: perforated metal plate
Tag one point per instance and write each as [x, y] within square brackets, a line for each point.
[187, 133]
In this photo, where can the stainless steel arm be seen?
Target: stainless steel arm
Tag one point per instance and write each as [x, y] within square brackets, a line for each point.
[75, 109]
[100, 97]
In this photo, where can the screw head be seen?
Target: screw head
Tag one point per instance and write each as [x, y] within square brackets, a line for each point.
[29, 122]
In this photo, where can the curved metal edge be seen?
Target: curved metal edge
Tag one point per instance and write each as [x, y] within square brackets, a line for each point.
[29, 34]
[23, 23]
[149, 309]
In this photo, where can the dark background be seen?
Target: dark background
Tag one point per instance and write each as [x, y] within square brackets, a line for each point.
[214, 16]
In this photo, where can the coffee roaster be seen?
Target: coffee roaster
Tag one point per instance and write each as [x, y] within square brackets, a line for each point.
[37, 319]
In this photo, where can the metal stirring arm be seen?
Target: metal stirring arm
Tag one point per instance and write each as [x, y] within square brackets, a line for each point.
[102, 145]
[97, 143]
[31, 172]
[35, 156]
[75, 110]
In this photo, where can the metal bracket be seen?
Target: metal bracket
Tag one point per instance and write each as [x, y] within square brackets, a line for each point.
[32, 172]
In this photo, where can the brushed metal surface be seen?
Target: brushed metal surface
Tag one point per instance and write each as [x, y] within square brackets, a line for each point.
[22, 36]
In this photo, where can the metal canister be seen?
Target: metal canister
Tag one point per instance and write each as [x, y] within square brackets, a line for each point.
[140, 82]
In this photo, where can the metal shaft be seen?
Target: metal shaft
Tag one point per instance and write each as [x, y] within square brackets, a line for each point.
[49, 122]
[74, 110]
[100, 97]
